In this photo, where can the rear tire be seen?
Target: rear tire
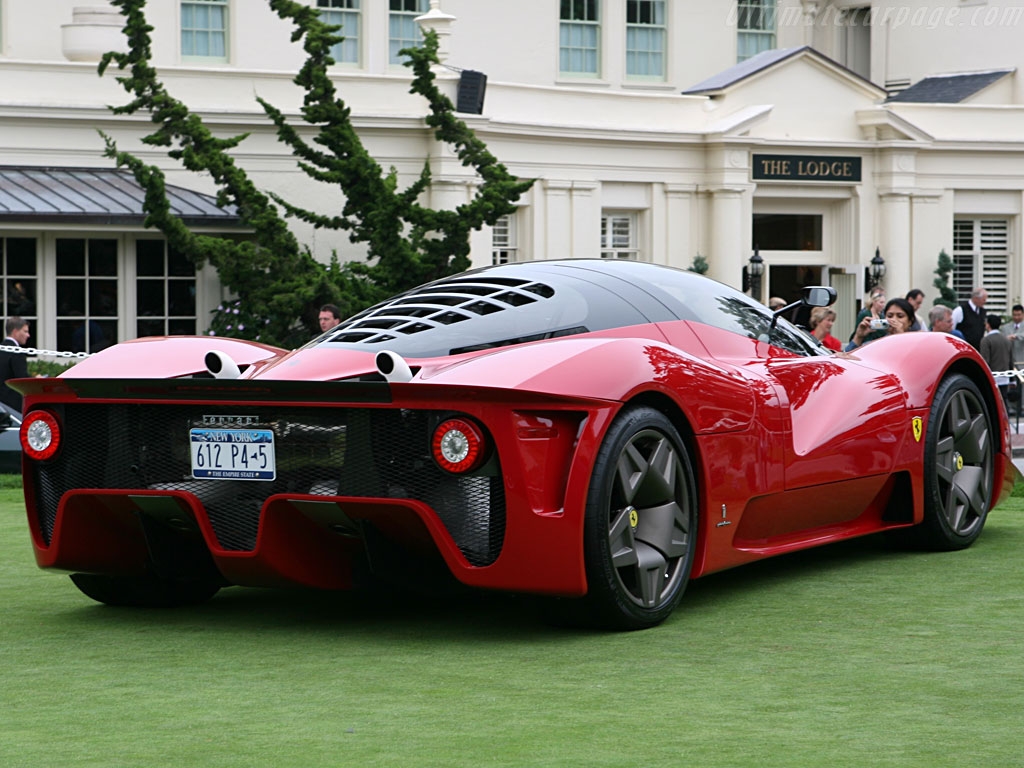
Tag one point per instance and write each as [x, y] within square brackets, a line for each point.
[143, 592]
[959, 467]
[640, 527]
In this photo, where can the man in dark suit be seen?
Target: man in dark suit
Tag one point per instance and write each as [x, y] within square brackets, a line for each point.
[1014, 331]
[998, 353]
[969, 317]
[13, 365]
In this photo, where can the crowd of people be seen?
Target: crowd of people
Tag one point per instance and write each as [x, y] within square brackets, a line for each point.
[1001, 344]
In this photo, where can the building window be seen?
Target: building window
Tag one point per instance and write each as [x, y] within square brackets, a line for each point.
[855, 41]
[344, 13]
[19, 276]
[165, 302]
[404, 32]
[504, 240]
[618, 236]
[204, 29]
[579, 36]
[981, 258]
[87, 293]
[787, 232]
[645, 38]
[755, 25]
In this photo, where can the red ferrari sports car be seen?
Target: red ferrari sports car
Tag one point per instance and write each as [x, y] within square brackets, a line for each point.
[588, 429]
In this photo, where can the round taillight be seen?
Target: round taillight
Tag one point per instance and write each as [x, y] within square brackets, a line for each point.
[40, 435]
[458, 445]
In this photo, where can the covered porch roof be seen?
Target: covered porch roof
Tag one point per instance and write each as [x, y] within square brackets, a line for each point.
[96, 196]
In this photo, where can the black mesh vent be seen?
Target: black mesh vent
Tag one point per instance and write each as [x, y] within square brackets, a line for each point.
[342, 451]
[431, 304]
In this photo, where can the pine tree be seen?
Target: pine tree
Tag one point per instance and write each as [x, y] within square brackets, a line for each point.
[947, 296]
[278, 283]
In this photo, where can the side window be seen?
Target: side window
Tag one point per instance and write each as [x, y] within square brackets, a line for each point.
[87, 293]
[165, 300]
[619, 236]
[695, 299]
[753, 320]
[344, 13]
[19, 276]
[645, 39]
[403, 31]
[204, 30]
[755, 27]
[579, 35]
[504, 240]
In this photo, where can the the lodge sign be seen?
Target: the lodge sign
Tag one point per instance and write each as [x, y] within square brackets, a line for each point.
[806, 168]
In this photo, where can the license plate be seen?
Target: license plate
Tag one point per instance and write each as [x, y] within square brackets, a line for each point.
[233, 454]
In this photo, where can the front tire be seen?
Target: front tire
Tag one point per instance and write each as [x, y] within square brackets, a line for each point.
[143, 592]
[958, 465]
[640, 528]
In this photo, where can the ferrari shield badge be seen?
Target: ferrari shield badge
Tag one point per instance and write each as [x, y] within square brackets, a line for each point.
[916, 424]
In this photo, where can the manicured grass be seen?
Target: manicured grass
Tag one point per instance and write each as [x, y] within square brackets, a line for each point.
[851, 655]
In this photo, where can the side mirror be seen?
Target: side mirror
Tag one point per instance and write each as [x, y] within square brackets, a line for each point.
[811, 296]
[819, 296]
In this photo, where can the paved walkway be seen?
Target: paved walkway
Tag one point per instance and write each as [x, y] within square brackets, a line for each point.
[1017, 436]
[1017, 442]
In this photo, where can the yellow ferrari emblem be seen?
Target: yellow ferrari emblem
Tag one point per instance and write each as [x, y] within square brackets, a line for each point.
[918, 428]
[634, 518]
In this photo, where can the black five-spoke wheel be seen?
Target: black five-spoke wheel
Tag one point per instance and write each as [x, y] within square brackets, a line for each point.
[641, 521]
[958, 460]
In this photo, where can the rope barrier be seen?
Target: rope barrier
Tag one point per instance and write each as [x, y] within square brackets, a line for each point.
[46, 352]
[1018, 374]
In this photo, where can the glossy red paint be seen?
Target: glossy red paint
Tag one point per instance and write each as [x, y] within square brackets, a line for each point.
[790, 452]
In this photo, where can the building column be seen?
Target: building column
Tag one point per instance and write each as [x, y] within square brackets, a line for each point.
[729, 233]
[931, 227]
[586, 220]
[680, 247]
[894, 241]
[557, 224]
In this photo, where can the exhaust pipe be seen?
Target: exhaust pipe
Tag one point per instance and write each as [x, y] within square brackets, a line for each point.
[221, 366]
[393, 367]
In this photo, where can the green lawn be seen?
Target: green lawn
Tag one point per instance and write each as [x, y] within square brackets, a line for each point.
[852, 655]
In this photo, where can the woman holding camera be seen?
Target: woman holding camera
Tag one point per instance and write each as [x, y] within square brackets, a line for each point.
[897, 317]
[873, 307]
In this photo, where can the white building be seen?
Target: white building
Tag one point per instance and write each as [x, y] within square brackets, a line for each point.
[816, 130]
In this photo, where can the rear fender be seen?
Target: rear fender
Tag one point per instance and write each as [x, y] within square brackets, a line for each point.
[713, 398]
[162, 357]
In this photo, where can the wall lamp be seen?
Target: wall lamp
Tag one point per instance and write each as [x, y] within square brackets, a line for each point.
[874, 273]
[754, 271]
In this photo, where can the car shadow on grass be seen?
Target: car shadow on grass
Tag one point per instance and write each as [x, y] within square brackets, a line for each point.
[481, 615]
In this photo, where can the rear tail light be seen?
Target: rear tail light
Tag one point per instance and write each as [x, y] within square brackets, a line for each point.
[458, 446]
[40, 435]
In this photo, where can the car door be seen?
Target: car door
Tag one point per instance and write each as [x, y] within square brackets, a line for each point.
[846, 419]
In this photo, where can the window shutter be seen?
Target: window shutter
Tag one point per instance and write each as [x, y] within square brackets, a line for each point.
[981, 255]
